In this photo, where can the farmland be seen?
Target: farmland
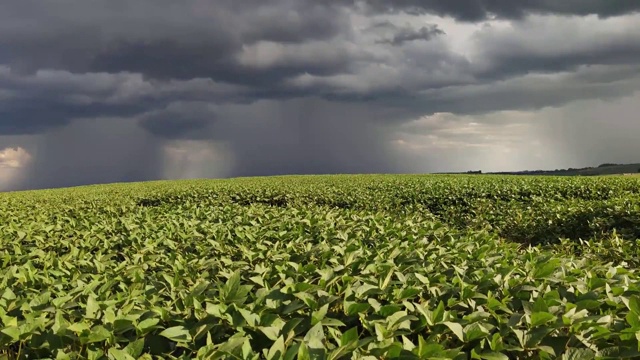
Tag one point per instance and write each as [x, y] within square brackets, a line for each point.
[323, 267]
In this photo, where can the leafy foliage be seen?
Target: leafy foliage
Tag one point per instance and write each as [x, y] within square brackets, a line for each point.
[327, 267]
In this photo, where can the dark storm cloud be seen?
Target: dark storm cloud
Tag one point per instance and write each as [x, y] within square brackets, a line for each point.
[479, 10]
[233, 42]
[533, 92]
[170, 60]
[404, 35]
[306, 136]
[46, 100]
[104, 88]
[180, 121]
[526, 46]
[161, 39]
[37, 106]
[302, 21]
[96, 151]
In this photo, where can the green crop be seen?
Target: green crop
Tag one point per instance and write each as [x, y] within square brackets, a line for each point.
[323, 267]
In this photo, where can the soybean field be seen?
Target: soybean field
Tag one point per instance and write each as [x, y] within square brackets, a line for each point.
[324, 267]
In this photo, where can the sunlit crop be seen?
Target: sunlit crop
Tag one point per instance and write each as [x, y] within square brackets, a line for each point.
[325, 267]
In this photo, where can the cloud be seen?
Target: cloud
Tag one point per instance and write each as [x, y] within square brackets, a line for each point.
[101, 150]
[120, 91]
[551, 138]
[304, 136]
[189, 159]
[160, 39]
[14, 157]
[525, 47]
[49, 99]
[180, 121]
[479, 10]
[12, 162]
[408, 34]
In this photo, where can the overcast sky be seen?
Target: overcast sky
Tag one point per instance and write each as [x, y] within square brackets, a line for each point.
[124, 90]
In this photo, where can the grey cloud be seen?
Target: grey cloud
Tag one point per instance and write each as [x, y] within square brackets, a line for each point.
[295, 21]
[608, 130]
[527, 47]
[479, 10]
[305, 136]
[408, 34]
[51, 99]
[533, 92]
[103, 150]
[180, 121]
[286, 86]
[301, 136]
[160, 39]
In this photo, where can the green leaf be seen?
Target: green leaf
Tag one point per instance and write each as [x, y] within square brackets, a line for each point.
[315, 337]
[177, 334]
[92, 308]
[121, 326]
[98, 334]
[578, 354]
[618, 352]
[475, 331]
[13, 332]
[289, 329]
[79, 327]
[135, 348]
[94, 354]
[389, 310]
[426, 350]
[277, 350]
[272, 332]
[61, 355]
[409, 293]
[546, 268]
[234, 344]
[303, 352]
[633, 319]
[540, 305]
[437, 315]
[349, 336]
[541, 318]
[357, 308]
[292, 352]
[492, 355]
[319, 314]
[456, 329]
[8, 294]
[233, 292]
[147, 325]
[117, 354]
[252, 319]
[332, 322]
[634, 304]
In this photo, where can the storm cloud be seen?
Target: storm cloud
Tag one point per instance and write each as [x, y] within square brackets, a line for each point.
[478, 10]
[115, 90]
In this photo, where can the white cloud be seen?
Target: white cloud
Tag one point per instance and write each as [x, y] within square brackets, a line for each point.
[269, 54]
[14, 158]
[499, 141]
[12, 163]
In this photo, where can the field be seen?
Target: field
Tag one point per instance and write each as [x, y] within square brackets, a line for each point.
[324, 267]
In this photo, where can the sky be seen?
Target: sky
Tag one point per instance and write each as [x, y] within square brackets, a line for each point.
[118, 90]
